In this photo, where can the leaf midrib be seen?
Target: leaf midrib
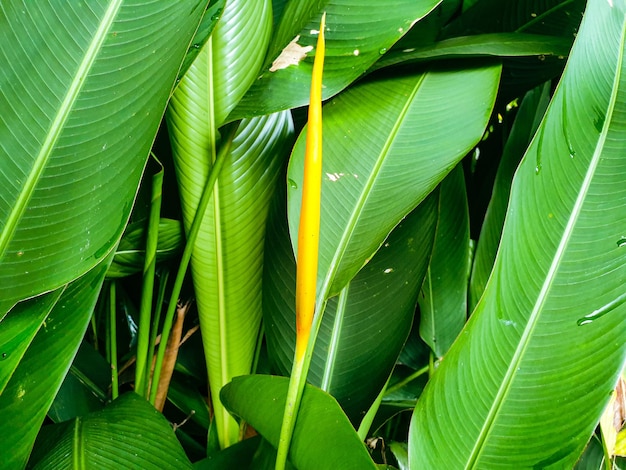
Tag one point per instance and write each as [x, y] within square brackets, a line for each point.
[56, 126]
[360, 203]
[552, 271]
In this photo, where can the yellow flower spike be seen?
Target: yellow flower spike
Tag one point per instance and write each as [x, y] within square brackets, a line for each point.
[308, 244]
[309, 229]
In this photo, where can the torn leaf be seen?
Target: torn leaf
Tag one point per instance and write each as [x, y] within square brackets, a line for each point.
[292, 54]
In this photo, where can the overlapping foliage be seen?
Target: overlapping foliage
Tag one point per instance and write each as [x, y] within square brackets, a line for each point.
[468, 173]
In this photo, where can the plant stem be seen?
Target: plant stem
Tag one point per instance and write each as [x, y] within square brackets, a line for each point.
[410, 378]
[113, 340]
[186, 257]
[142, 369]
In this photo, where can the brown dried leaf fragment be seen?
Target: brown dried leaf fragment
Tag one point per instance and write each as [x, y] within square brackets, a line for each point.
[292, 54]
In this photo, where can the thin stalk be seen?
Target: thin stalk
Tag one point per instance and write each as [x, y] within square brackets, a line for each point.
[186, 257]
[368, 419]
[410, 378]
[307, 262]
[156, 319]
[145, 311]
[115, 390]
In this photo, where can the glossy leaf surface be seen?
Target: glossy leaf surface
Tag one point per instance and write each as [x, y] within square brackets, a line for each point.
[36, 380]
[357, 34]
[408, 133]
[84, 88]
[527, 121]
[107, 439]
[364, 328]
[530, 374]
[443, 299]
[260, 400]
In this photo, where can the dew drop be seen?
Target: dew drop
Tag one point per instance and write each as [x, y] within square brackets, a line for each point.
[621, 242]
[382, 50]
[292, 184]
[538, 169]
[4, 356]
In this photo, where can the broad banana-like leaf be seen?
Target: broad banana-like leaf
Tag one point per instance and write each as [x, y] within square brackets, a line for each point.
[357, 34]
[227, 258]
[480, 45]
[129, 433]
[551, 17]
[366, 325]
[527, 121]
[83, 87]
[36, 380]
[443, 299]
[525, 383]
[260, 400]
[19, 327]
[387, 144]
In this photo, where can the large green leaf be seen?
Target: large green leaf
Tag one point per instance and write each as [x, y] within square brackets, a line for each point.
[36, 380]
[19, 327]
[387, 144]
[527, 121]
[552, 17]
[83, 91]
[357, 34]
[129, 433]
[323, 437]
[526, 382]
[227, 258]
[480, 45]
[443, 303]
[365, 327]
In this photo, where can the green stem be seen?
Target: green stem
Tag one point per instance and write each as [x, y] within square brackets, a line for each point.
[368, 419]
[113, 341]
[186, 257]
[406, 380]
[156, 319]
[297, 381]
[143, 364]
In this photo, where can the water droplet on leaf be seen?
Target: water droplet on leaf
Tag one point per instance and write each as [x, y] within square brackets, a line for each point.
[292, 184]
[382, 50]
[621, 242]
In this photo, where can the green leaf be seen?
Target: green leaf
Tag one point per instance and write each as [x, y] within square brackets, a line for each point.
[235, 52]
[323, 437]
[443, 303]
[366, 326]
[227, 263]
[130, 253]
[551, 17]
[84, 88]
[85, 386]
[237, 456]
[357, 34]
[405, 143]
[526, 382]
[527, 121]
[227, 258]
[209, 19]
[480, 45]
[129, 433]
[36, 380]
[19, 327]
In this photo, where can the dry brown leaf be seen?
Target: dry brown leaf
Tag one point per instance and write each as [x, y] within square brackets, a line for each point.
[292, 54]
